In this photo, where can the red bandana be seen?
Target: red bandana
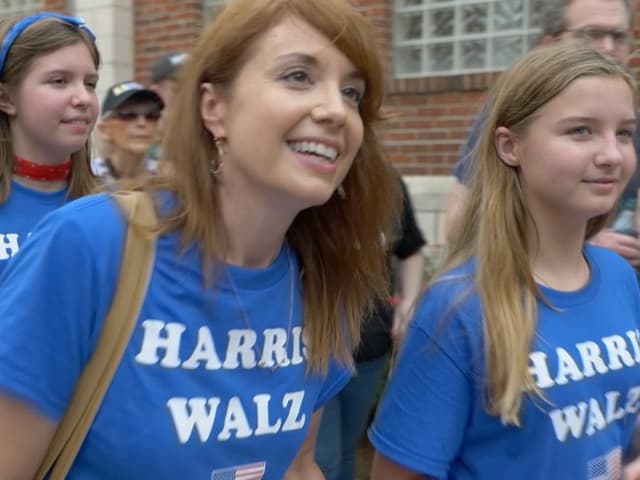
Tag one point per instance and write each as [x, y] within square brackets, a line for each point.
[39, 172]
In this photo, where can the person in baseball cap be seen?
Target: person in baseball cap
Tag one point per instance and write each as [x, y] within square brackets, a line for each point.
[127, 128]
[163, 77]
[167, 66]
[163, 74]
[122, 92]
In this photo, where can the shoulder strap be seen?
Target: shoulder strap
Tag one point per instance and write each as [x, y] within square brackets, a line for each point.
[137, 260]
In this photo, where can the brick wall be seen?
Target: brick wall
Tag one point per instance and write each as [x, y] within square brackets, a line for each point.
[429, 117]
[161, 27]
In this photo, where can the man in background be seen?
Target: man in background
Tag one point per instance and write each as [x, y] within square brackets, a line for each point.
[163, 81]
[163, 75]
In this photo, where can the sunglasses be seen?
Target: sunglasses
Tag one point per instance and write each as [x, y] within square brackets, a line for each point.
[21, 25]
[130, 116]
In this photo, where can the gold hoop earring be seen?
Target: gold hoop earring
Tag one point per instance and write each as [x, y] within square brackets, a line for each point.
[219, 141]
[215, 168]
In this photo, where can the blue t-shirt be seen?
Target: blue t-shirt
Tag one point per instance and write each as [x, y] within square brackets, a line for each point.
[18, 215]
[585, 359]
[203, 390]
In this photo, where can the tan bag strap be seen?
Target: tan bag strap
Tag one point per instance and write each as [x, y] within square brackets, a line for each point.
[137, 261]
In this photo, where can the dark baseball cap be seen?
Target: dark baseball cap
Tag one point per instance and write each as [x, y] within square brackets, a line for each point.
[167, 66]
[123, 91]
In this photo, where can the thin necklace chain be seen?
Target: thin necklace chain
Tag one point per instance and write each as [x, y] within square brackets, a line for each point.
[584, 267]
[245, 317]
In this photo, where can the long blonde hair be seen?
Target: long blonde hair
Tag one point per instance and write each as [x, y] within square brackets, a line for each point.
[342, 257]
[41, 38]
[495, 219]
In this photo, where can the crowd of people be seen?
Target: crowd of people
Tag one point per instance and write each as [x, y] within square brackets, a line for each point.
[286, 261]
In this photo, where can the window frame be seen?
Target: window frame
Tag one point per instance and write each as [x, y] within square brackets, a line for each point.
[529, 35]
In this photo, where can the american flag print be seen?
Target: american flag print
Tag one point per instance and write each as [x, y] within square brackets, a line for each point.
[251, 471]
[607, 467]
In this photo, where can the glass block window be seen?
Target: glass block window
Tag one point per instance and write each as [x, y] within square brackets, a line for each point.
[11, 8]
[451, 37]
[210, 9]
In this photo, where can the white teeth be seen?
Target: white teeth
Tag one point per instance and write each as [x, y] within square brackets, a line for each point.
[315, 148]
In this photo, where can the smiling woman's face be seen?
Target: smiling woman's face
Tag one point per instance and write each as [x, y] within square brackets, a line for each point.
[290, 119]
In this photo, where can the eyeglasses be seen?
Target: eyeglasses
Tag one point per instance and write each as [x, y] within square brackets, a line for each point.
[21, 25]
[130, 116]
[619, 37]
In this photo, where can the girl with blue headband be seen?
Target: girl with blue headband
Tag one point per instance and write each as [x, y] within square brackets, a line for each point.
[48, 107]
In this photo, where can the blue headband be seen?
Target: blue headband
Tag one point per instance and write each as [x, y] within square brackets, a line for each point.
[21, 25]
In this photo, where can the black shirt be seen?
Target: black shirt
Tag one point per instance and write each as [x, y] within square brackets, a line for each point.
[375, 331]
